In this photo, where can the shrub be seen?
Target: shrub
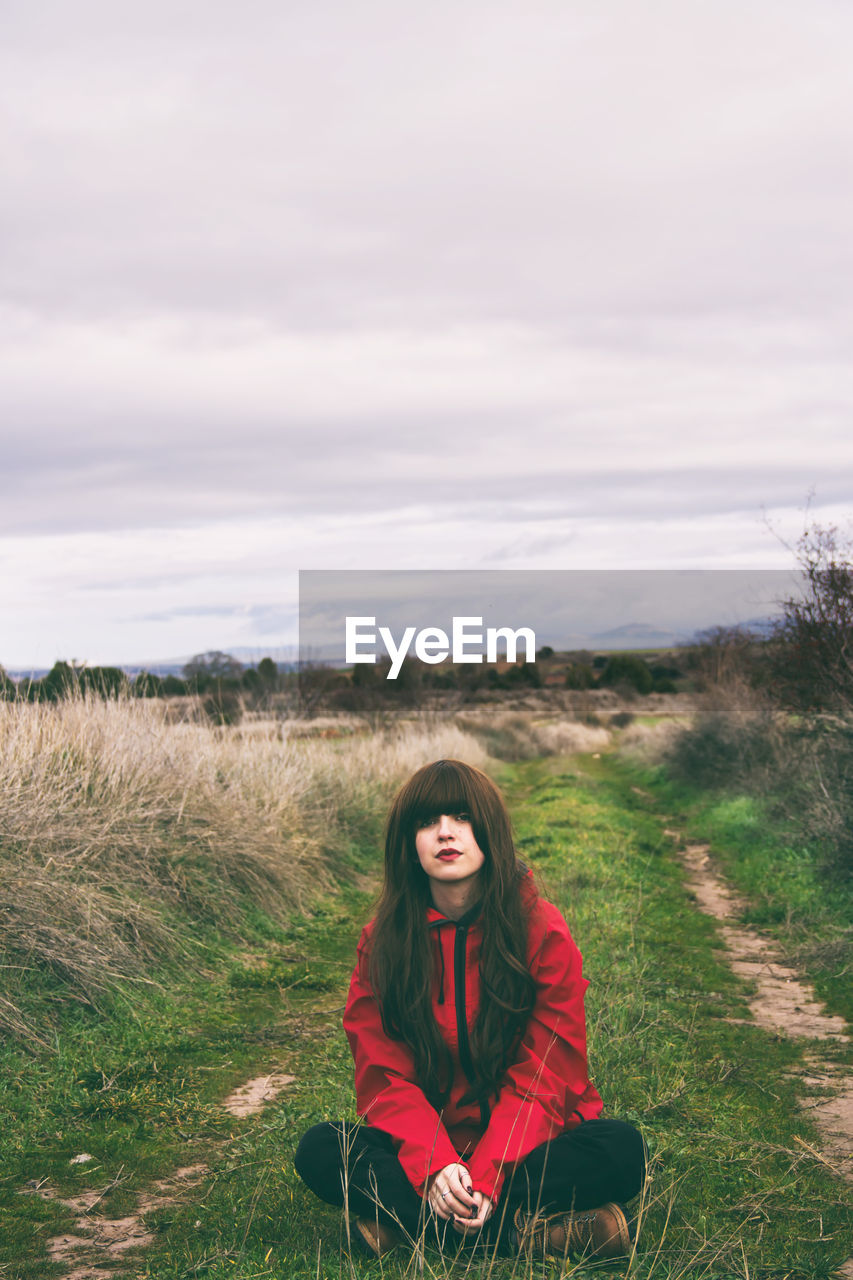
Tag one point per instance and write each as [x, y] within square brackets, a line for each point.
[59, 682]
[174, 687]
[735, 738]
[626, 669]
[745, 732]
[250, 680]
[268, 673]
[7, 686]
[621, 719]
[720, 654]
[818, 795]
[148, 685]
[106, 682]
[524, 673]
[579, 675]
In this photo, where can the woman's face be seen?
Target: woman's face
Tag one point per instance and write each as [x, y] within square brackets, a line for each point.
[447, 850]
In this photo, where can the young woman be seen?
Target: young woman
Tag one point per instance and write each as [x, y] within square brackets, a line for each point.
[466, 1022]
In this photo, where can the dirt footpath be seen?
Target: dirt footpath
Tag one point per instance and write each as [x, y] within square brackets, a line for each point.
[99, 1241]
[784, 1004]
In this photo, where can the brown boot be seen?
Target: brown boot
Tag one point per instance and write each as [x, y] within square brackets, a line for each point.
[374, 1237]
[594, 1233]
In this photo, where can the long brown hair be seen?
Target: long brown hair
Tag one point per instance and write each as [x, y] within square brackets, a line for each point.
[401, 962]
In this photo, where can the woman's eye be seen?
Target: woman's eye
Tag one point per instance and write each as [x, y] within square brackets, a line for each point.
[434, 819]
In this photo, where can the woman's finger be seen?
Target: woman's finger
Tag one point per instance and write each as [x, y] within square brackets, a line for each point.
[459, 1185]
[440, 1208]
[467, 1223]
[454, 1206]
[443, 1202]
[449, 1195]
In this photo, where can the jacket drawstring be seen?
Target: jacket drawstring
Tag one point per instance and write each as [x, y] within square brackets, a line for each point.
[441, 978]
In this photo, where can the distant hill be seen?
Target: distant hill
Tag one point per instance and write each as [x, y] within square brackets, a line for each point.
[638, 635]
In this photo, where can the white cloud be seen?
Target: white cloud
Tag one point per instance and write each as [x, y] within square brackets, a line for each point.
[149, 594]
[501, 283]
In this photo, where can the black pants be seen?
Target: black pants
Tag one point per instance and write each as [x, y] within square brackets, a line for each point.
[599, 1161]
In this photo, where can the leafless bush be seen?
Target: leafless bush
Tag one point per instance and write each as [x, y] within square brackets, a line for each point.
[776, 716]
[722, 655]
[812, 650]
[736, 737]
[811, 665]
[818, 793]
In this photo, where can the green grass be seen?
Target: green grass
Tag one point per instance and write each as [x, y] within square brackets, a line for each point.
[140, 1091]
[734, 1192]
[809, 914]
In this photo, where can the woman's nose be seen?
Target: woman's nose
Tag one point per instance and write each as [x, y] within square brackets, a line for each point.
[445, 825]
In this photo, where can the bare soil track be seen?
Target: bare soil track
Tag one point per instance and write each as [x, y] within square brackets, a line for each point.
[98, 1243]
[784, 1004]
[251, 1096]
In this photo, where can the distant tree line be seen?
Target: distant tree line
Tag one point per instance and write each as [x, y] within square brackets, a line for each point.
[215, 674]
[225, 684]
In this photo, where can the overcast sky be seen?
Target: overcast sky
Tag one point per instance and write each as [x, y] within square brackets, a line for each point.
[532, 284]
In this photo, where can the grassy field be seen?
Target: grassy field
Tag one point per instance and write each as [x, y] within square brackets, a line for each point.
[137, 1082]
[810, 915]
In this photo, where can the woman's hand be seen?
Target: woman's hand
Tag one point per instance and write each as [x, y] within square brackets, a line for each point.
[484, 1212]
[450, 1193]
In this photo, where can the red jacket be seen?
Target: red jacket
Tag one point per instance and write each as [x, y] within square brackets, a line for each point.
[545, 1091]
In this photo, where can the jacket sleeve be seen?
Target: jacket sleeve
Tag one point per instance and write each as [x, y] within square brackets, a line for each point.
[387, 1093]
[546, 1082]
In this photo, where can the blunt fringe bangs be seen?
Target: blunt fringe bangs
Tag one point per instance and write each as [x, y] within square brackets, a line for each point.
[449, 786]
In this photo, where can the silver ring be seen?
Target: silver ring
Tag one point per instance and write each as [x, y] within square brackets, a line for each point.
[443, 1194]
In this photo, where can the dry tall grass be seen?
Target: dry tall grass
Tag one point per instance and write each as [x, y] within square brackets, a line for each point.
[119, 829]
[518, 735]
[651, 743]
